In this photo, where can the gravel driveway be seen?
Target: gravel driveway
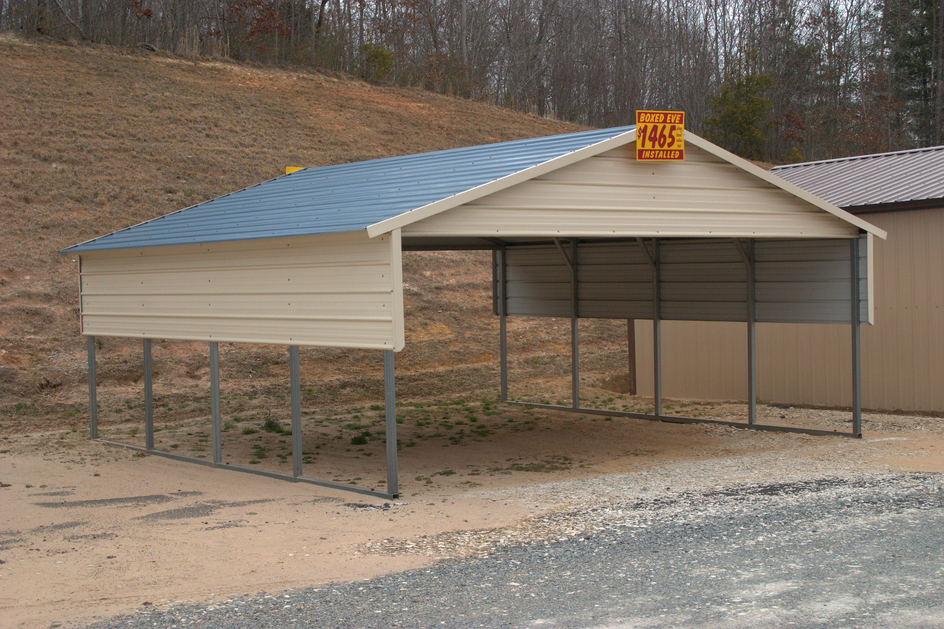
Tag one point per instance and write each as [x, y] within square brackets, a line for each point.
[821, 552]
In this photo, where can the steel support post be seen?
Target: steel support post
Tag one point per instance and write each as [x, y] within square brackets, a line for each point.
[656, 330]
[215, 402]
[856, 343]
[748, 256]
[93, 390]
[751, 340]
[503, 323]
[390, 414]
[631, 354]
[148, 396]
[296, 388]
[574, 330]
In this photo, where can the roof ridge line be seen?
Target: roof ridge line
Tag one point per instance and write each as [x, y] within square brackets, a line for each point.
[852, 158]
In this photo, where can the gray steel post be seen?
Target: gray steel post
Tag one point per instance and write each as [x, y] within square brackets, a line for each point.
[503, 324]
[215, 402]
[574, 330]
[390, 413]
[856, 344]
[751, 336]
[148, 397]
[657, 330]
[296, 387]
[93, 390]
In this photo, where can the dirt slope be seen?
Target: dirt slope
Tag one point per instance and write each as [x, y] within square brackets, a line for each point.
[92, 140]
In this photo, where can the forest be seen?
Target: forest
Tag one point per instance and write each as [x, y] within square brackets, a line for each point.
[772, 80]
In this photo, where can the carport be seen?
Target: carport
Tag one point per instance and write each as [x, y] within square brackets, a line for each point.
[578, 227]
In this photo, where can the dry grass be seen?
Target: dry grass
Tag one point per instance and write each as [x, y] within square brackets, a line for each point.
[92, 140]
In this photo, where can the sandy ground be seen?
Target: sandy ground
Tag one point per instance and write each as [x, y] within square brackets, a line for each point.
[92, 530]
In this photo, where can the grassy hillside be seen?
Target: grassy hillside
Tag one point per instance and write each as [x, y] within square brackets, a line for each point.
[92, 140]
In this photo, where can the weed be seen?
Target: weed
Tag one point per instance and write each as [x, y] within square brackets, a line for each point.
[271, 425]
[249, 431]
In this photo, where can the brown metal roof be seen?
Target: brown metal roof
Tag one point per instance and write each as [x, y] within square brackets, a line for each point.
[882, 179]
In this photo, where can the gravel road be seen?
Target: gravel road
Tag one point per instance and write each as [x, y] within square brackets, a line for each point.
[817, 552]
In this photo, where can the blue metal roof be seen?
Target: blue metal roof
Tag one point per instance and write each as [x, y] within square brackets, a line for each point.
[346, 197]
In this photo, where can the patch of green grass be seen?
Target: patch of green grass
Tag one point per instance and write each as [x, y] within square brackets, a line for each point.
[273, 426]
[249, 431]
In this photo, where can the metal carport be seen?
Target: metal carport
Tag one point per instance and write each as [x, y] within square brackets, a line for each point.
[579, 229]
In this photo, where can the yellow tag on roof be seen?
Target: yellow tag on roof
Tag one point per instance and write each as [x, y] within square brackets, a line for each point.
[660, 136]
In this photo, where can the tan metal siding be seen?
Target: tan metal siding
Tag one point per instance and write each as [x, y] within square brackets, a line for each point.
[698, 359]
[902, 353]
[905, 363]
[612, 194]
[337, 290]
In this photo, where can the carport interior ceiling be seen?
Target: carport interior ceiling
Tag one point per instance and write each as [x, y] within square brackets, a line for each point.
[314, 257]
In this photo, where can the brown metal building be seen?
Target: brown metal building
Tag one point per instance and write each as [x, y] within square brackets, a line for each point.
[902, 353]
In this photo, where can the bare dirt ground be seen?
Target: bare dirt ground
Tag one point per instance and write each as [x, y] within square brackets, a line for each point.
[93, 530]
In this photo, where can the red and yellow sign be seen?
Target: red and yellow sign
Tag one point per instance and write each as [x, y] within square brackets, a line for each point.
[660, 136]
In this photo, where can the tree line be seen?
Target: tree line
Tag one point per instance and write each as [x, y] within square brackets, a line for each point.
[775, 80]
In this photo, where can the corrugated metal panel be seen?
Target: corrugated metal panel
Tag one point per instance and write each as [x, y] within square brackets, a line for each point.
[809, 281]
[701, 279]
[612, 194]
[615, 281]
[902, 357]
[700, 359]
[904, 353]
[538, 282]
[346, 197]
[872, 179]
[339, 290]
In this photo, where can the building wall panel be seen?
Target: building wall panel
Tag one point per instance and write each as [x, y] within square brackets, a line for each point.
[902, 352]
[614, 194]
[700, 280]
[335, 290]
